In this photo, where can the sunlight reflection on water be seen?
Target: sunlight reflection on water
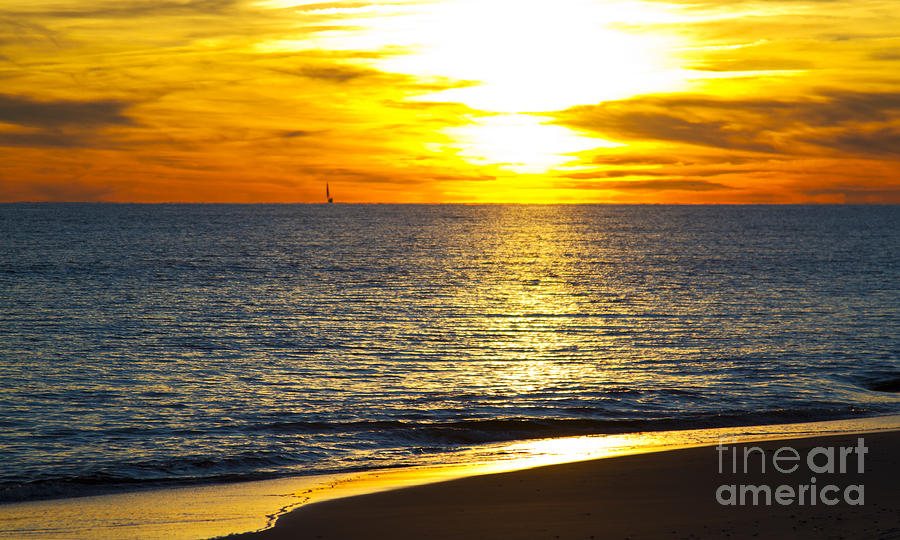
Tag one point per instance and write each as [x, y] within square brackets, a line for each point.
[182, 344]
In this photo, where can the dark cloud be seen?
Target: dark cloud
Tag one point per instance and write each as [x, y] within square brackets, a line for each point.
[429, 105]
[844, 106]
[663, 185]
[345, 73]
[890, 55]
[338, 73]
[706, 4]
[859, 194]
[60, 123]
[656, 185]
[413, 178]
[826, 109]
[118, 10]
[758, 125]
[384, 52]
[677, 171]
[617, 173]
[627, 159]
[47, 139]
[762, 64]
[15, 30]
[861, 34]
[364, 177]
[72, 191]
[333, 5]
[634, 120]
[25, 111]
[879, 142]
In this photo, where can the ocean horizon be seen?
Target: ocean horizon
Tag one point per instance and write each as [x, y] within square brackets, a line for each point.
[185, 344]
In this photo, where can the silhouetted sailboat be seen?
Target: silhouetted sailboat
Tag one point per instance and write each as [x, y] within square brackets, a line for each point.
[328, 194]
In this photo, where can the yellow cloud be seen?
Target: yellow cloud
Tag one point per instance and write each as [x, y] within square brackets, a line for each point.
[454, 100]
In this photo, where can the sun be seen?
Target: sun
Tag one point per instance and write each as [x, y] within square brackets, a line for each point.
[526, 56]
[520, 143]
[515, 59]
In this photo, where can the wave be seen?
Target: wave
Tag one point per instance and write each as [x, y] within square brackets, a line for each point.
[389, 442]
[512, 428]
[882, 382]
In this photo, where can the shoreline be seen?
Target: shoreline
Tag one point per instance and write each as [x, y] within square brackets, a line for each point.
[686, 493]
[214, 511]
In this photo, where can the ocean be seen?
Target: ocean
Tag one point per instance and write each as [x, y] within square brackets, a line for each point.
[179, 344]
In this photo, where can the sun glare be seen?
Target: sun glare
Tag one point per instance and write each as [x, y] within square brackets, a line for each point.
[514, 60]
[521, 143]
[531, 56]
[527, 57]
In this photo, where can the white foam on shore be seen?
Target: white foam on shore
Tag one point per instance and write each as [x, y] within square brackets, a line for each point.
[218, 510]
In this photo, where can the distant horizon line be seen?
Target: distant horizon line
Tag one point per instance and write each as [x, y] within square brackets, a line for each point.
[464, 203]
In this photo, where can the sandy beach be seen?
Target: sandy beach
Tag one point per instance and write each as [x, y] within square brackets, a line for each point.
[671, 494]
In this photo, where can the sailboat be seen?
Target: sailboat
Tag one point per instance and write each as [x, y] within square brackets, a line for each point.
[328, 194]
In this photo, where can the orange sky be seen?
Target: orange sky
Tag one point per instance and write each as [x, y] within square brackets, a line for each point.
[450, 101]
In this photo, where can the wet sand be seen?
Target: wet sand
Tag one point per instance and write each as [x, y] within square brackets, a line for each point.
[671, 494]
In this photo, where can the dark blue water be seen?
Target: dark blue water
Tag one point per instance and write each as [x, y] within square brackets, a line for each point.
[159, 344]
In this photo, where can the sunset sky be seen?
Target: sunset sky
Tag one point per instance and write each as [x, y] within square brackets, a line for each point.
[689, 101]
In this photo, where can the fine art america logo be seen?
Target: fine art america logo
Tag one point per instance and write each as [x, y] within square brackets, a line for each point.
[786, 460]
